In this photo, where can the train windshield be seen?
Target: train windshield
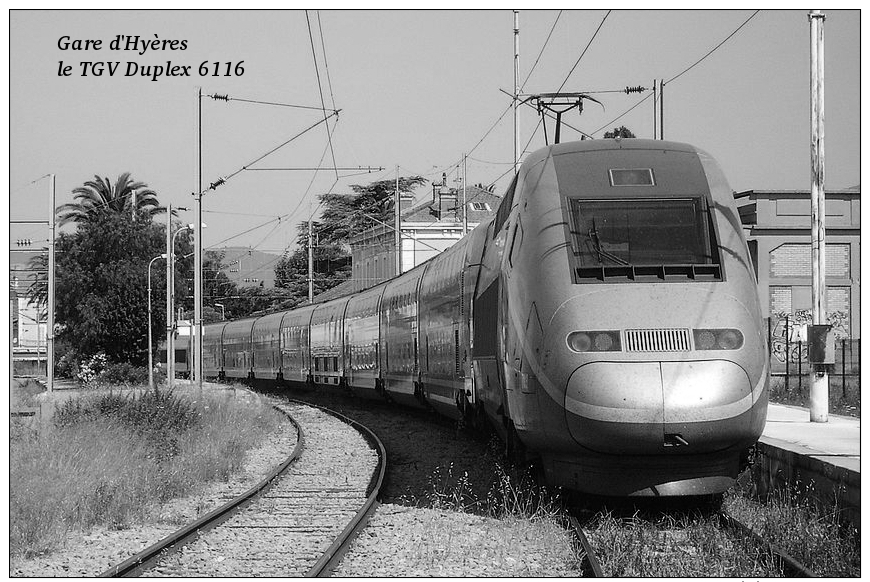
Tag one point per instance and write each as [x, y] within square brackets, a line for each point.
[641, 232]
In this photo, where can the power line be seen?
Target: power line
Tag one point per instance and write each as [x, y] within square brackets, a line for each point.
[224, 180]
[227, 98]
[584, 51]
[325, 62]
[320, 90]
[713, 49]
[552, 28]
[686, 70]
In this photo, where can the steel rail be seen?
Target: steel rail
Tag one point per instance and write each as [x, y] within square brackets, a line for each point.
[333, 555]
[789, 564]
[147, 558]
[594, 565]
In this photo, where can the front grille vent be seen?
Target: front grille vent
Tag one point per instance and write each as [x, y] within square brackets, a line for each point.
[657, 340]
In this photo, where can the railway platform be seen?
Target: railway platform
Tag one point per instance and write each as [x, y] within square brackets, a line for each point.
[823, 458]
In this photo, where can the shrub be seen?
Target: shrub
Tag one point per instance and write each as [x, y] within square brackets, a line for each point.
[90, 369]
[160, 417]
[124, 373]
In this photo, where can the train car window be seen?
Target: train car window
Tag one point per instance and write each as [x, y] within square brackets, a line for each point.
[650, 237]
[507, 202]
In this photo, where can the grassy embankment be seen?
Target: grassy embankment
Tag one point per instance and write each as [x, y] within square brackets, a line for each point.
[110, 459]
[843, 398]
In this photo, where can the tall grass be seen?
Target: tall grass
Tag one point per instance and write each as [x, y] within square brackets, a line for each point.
[790, 518]
[112, 460]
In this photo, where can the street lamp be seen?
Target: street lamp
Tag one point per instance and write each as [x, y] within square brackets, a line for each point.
[150, 354]
[223, 310]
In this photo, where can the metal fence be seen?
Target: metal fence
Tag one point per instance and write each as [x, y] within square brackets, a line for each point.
[788, 354]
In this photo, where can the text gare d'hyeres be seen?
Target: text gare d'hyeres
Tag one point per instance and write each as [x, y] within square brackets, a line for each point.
[143, 46]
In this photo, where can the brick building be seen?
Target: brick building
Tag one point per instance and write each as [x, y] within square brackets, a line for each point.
[778, 228]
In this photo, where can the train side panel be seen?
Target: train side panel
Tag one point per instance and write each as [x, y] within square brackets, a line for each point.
[266, 345]
[362, 341]
[212, 353]
[327, 348]
[399, 330]
[237, 349]
[441, 330]
[295, 346]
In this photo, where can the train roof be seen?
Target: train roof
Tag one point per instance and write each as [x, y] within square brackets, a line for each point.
[591, 145]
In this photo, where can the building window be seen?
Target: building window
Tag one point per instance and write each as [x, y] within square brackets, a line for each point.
[479, 206]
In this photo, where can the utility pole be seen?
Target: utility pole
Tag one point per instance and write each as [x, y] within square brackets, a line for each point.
[655, 106]
[662, 108]
[819, 381]
[517, 151]
[170, 350]
[398, 209]
[310, 262]
[464, 195]
[197, 257]
[49, 332]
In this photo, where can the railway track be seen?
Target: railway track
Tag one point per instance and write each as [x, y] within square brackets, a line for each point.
[685, 550]
[590, 566]
[789, 565]
[297, 521]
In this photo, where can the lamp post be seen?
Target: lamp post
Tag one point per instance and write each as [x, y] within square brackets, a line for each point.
[150, 351]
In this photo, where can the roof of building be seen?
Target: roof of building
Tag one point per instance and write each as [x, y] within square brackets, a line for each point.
[481, 204]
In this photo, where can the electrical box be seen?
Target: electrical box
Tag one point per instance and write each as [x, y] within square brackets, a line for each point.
[820, 344]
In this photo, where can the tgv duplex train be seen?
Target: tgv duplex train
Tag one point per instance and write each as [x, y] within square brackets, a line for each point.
[605, 321]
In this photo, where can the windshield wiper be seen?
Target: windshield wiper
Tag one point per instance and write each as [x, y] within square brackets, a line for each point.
[596, 244]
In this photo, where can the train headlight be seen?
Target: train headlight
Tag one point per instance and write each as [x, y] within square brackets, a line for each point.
[718, 339]
[594, 341]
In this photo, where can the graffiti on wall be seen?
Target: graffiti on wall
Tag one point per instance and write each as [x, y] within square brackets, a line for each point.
[787, 339]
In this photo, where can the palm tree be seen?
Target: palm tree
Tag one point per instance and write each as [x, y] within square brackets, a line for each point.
[99, 195]
[37, 291]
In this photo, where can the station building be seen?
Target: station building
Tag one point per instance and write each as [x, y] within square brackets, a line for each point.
[777, 224]
[427, 229]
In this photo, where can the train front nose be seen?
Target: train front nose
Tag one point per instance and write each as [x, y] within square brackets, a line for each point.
[659, 407]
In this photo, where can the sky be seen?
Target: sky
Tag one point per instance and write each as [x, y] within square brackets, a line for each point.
[415, 89]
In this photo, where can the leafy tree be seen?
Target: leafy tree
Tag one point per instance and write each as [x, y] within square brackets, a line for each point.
[101, 289]
[620, 131]
[99, 196]
[343, 216]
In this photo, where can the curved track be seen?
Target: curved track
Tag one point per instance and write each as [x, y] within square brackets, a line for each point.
[295, 522]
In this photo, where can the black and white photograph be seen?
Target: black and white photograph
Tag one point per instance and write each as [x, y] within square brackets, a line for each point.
[451, 293]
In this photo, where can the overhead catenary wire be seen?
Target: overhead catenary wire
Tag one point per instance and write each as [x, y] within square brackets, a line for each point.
[225, 179]
[595, 34]
[227, 98]
[678, 75]
[320, 90]
[325, 61]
